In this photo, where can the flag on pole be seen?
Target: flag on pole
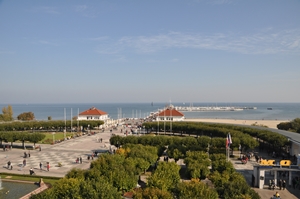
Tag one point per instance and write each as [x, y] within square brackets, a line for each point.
[228, 140]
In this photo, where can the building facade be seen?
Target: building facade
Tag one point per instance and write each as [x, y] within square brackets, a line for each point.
[93, 114]
[170, 114]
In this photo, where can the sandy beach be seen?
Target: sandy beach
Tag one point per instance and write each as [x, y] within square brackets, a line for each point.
[268, 123]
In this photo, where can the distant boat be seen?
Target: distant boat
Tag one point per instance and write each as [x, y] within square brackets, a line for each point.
[151, 103]
[269, 108]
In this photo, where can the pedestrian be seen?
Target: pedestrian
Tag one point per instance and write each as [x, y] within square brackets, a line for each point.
[280, 184]
[25, 155]
[283, 184]
[41, 166]
[31, 172]
[28, 154]
[8, 164]
[48, 166]
[40, 147]
[80, 160]
[77, 160]
[24, 162]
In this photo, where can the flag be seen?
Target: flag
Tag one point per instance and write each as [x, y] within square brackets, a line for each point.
[228, 140]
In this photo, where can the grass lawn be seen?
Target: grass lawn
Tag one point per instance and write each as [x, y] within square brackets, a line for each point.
[29, 178]
[57, 136]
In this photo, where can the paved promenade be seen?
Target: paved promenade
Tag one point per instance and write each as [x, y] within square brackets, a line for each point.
[65, 153]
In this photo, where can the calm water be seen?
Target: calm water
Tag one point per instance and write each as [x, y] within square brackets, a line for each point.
[15, 190]
[280, 111]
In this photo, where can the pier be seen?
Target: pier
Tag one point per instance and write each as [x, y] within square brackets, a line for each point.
[211, 108]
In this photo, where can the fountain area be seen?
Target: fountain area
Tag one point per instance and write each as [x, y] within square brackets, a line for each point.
[10, 189]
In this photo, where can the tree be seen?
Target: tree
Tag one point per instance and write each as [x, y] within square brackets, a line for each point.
[152, 192]
[195, 189]
[165, 177]
[296, 125]
[26, 116]
[36, 137]
[7, 113]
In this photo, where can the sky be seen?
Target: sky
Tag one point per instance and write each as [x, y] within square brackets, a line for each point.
[101, 51]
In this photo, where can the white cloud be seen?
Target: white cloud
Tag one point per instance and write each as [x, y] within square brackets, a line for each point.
[80, 8]
[46, 9]
[264, 42]
[85, 11]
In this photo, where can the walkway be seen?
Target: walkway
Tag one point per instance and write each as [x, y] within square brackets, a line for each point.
[65, 153]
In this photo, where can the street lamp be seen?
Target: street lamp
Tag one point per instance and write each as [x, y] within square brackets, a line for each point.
[53, 134]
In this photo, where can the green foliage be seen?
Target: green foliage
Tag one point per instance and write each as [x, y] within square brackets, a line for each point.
[195, 189]
[152, 193]
[26, 116]
[148, 153]
[197, 163]
[228, 183]
[57, 125]
[296, 125]
[7, 114]
[293, 126]
[165, 177]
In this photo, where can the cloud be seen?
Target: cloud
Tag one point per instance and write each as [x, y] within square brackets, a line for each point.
[46, 9]
[264, 42]
[85, 11]
[80, 8]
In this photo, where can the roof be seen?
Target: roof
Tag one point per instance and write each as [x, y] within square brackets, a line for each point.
[93, 111]
[170, 112]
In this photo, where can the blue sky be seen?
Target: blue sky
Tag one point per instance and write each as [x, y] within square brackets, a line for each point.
[143, 51]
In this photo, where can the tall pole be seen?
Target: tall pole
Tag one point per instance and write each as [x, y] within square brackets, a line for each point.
[65, 123]
[157, 121]
[77, 121]
[165, 121]
[171, 118]
[71, 122]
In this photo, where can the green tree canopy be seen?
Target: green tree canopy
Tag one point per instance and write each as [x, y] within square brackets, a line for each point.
[26, 116]
[165, 177]
[7, 114]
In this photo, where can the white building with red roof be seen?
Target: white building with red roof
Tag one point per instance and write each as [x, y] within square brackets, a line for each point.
[170, 114]
[93, 114]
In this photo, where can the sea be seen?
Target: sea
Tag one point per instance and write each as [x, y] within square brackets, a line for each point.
[262, 111]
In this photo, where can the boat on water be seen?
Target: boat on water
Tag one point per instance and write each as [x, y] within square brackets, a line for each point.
[269, 108]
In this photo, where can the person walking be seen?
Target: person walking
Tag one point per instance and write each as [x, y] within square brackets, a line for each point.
[80, 160]
[48, 166]
[41, 166]
[283, 184]
[24, 162]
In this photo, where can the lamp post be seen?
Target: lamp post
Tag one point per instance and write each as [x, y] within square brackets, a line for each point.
[53, 134]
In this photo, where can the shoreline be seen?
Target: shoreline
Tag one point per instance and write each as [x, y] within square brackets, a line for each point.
[269, 123]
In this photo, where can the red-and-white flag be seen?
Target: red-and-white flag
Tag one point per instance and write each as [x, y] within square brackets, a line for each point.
[228, 140]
